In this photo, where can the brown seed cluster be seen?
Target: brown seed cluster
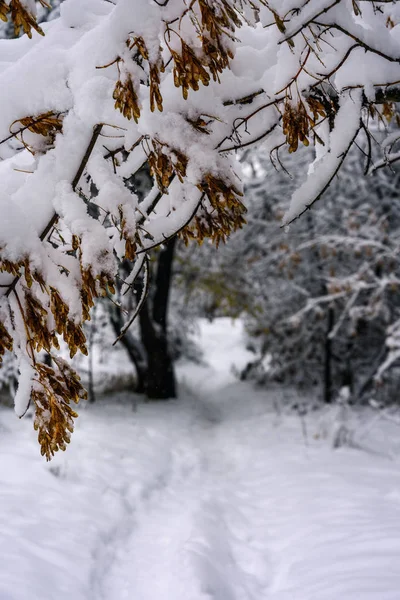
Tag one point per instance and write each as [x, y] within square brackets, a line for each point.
[297, 122]
[36, 321]
[22, 266]
[219, 20]
[72, 334]
[20, 16]
[295, 125]
[93, 287]
[155, 68]
[11, 267]
[126, 98]
[189, 70]
[224, 215]
[46, 125]
[6, 342]
[219, 17]
[4, 10]
[215, 25]
[53, 388]
[388, 112]
[52, 392]
[130, 249]
[125, 95]
[155, 94]
[225, 211]
[317, 109]
[131, 241]
[164, 164]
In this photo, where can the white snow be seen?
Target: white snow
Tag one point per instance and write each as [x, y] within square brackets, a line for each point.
[214, 496]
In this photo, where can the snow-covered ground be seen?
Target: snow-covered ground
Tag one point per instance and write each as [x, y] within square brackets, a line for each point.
[218, 496]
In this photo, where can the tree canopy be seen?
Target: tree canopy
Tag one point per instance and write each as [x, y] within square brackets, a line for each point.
[91, 96]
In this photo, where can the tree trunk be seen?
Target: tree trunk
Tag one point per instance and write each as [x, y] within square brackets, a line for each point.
[133, 348]
[328, 359]
[92, 331]
[150, 355]
[160, 376]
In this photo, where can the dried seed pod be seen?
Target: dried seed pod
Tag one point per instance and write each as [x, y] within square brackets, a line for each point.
[317, 109]
[224, 214]
[219, 17]
[4, 10]
[22, 18]
[188, 70]
[46, 124]
[217, 57]
[199, 124]
[52, 391]
[6, 342]
[72, 333]
[295, 125]
[163, 166]
[140, 44]
[126, 98]
[11, 267]
[155, 94]
[130, 249]
[155, 68]
[36, 321]
[132, 240]
[388, 110]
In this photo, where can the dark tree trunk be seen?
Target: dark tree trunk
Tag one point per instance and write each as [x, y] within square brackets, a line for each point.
[150, 355]
[328, 359]
[319, 287]
[133, 348]
[160, 376]
[92, 331]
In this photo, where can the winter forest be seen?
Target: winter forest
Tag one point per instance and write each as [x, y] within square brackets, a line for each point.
[200, 299]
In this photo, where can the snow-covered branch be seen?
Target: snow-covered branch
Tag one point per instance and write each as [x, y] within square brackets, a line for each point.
[181, 86]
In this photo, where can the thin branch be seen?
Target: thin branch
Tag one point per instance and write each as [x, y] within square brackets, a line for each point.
[146, 283]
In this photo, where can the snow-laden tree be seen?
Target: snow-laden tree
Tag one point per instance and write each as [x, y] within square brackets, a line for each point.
[89, 97]
[327, 292]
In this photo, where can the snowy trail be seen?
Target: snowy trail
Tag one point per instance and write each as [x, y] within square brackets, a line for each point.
[183, 543]
[212, 497]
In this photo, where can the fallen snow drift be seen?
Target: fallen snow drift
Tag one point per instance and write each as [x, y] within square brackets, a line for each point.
[214, 496]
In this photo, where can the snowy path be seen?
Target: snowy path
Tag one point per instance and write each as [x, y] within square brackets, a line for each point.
[213, 497]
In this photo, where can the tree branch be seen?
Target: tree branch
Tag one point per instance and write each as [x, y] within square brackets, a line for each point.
[96, 132]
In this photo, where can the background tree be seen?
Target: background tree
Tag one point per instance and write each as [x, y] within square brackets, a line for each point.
[324, 296]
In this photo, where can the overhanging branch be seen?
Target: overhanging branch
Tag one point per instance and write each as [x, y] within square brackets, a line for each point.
[96, 132]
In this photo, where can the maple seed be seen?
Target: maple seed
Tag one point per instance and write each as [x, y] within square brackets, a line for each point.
[52, 392]
[221, 215]
[22, 18]
[126, 99]
[297, 123]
